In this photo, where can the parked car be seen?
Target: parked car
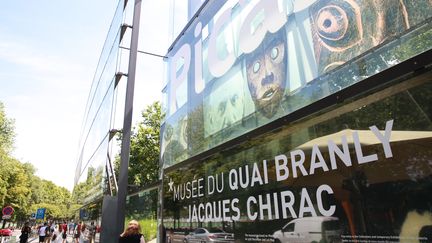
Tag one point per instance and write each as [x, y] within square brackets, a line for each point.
[309, 229]
[208, 235]
[6, 232]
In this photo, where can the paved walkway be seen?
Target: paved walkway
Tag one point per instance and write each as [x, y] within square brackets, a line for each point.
[34, 239]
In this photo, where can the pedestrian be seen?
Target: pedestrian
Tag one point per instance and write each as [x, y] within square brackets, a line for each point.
[85, 234]
[49, 230]
[25, 232]
[56, 235]
[132, 233]
[42, 233]
[92, 232]
[64, 231]
[77, 233]
[71, 227]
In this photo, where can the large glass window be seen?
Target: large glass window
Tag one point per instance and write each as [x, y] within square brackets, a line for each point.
[241, 66]
[142, 206]
[358, 171]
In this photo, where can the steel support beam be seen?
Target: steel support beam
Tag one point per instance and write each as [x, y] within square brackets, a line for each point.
[127, 122]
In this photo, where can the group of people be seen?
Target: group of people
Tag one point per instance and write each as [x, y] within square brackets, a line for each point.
[82, 233]
[50, 232]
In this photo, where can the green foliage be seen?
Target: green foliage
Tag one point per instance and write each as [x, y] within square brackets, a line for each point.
[148, 228]
[7, 133]
[20, 188]
[16, 185]
[144, 148]
[90, 188]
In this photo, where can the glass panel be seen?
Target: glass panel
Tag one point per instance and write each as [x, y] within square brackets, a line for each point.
[108, 55]
[93, 175]
[105, 82]
[148, 83]
[238, 67]
[194, 5]
[99, 129]
[360, 170]
[143, 208]
[154, 38]
[178, 17]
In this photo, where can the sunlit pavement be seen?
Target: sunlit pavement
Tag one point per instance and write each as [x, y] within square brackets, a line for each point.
[68, 239]
[35, 239]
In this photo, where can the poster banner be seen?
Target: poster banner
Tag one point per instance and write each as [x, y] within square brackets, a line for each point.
[40, 213]
[358, 173]
[242, 64]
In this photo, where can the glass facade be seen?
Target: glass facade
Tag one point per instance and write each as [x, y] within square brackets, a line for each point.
[99, 146]
[91, 170]
[285, 121]
[238, 67]
[363, 167]
[288, 121]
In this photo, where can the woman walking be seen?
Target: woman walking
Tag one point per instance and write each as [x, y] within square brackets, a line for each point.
[132, 233]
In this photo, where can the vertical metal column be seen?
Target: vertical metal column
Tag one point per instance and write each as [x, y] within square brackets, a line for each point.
[127, 122]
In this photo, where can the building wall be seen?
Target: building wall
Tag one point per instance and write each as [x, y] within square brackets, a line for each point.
[299, 121]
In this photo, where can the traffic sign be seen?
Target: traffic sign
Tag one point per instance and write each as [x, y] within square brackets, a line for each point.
[33, 216]
[6, 216]
[8, 210]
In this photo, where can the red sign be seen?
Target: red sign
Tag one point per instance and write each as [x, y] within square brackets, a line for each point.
[8, 210]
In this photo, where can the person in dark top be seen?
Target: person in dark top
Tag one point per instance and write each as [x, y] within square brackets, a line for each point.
[132, 233]
[25, 232]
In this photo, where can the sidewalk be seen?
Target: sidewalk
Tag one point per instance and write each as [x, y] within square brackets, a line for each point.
[36, 240]
[68, 239]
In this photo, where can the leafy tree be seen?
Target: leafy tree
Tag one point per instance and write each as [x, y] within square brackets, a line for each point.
[20, 187]
[15, 187]
[6, 140]
[7, 133]
[144, 148]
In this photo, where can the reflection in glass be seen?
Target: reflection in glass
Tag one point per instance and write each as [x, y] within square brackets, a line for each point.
[142, 206]
[324, 47]
[379, 193]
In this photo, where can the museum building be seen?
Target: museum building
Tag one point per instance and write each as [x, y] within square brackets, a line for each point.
[285, 121]
[299, 121]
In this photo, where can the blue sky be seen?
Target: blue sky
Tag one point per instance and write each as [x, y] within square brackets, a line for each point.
[48, 54]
